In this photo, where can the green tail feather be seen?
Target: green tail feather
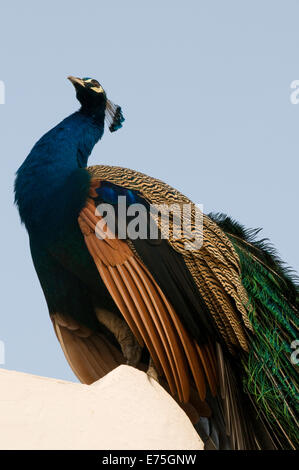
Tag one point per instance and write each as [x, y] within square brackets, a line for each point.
[271, 377]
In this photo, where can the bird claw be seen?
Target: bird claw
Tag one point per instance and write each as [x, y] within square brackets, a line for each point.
[152, 371]
[131, 350]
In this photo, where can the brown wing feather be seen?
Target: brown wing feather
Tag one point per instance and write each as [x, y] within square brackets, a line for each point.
[91, 356]
[149, 303]
[146, 309]
[163, 325]
[109, 258]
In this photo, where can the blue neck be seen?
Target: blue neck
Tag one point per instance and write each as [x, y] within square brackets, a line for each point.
[43, 180]
[68, 145]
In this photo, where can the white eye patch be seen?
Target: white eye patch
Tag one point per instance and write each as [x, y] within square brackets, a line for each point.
[98, 89]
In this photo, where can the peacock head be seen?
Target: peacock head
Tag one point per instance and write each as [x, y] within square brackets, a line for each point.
[93, 99]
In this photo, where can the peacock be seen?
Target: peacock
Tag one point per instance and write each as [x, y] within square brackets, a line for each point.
[214, 322]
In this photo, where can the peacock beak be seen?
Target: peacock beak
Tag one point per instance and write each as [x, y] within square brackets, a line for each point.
[76, 81]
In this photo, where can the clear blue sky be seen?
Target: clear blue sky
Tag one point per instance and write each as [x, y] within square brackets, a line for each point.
[205, 88]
